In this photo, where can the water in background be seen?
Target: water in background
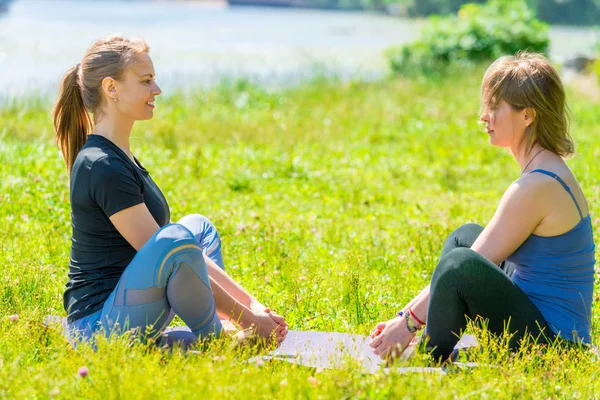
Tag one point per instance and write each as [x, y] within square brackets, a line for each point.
[198, 44]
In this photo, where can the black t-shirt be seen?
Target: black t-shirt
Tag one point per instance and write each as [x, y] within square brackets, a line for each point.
[104, 181]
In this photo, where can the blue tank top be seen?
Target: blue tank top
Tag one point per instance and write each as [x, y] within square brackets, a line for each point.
[557, 274]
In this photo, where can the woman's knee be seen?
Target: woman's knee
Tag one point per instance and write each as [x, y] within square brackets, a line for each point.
[206, 234]
[181, 247]
[171, 235]
[457, 264]
[197, 223]
[464, 236]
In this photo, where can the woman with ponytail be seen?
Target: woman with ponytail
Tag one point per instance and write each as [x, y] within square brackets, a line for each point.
[130, 268]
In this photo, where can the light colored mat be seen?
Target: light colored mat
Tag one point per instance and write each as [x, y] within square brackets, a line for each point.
[334, 350]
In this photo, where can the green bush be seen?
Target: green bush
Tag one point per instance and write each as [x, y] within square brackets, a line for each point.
[478, 33]
[574, 12]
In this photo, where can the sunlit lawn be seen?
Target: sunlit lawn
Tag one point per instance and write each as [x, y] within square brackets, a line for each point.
[333, 201]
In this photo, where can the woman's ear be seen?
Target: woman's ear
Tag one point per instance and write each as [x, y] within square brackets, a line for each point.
[109, 88]
[529, 116]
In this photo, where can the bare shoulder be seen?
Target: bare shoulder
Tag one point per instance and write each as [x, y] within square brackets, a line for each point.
[533, 193]
[553, 201]
[536, 183]
[552, 188]
[530, 186]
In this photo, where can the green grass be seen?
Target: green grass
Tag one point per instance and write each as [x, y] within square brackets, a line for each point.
[319, 192]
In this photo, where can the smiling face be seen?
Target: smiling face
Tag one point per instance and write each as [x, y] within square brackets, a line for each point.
[137, 89]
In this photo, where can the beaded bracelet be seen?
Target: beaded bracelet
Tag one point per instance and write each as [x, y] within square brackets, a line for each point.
[410, 323]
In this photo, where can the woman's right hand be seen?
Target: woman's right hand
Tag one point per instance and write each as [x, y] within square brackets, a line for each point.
[256, 306]
[266, 327]
[279, 320]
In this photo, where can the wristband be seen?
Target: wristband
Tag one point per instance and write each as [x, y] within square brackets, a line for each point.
[410, 323]
[412, 314]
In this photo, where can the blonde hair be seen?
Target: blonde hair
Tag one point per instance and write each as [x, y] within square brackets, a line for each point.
[528, 80]
[80, 92]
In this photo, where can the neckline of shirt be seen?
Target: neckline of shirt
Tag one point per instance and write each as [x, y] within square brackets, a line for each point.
[137, 164]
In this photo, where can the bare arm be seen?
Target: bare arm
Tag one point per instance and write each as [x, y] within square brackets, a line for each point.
[135, 224]
[227, 305]
[227, 283]
[519, 213]
[221, 278]
[419, 304]
[517, 216]
[263, 322]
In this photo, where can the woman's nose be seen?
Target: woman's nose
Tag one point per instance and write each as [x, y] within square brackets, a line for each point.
[156, 90]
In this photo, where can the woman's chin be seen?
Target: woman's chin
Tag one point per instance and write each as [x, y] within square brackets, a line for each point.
[494, 142]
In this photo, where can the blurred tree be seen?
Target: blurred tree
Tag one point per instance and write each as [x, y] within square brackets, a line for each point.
[569, 11]
[427, 7]
[552, 11]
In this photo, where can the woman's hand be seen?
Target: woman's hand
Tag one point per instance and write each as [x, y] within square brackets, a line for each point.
[256, 306]
[265, 326]
[390, 338]
[276, 317]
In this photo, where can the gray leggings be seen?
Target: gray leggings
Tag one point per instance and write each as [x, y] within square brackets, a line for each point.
[466, 284]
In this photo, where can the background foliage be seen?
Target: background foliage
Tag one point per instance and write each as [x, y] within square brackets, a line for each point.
[478, 33]
[552, 11]
[574, 12]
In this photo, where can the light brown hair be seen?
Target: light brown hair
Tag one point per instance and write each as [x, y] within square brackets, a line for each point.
[528, 80]
[80, 92]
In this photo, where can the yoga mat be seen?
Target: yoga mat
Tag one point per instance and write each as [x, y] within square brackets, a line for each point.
[332, 350]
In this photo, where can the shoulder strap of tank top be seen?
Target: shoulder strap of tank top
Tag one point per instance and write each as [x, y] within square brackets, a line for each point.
[567, 188]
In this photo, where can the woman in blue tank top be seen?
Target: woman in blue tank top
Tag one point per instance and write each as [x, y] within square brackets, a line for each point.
[531, 269]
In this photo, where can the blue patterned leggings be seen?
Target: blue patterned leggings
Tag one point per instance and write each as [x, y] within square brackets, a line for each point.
[167, 277]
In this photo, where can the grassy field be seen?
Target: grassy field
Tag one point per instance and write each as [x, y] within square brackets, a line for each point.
[333, 201]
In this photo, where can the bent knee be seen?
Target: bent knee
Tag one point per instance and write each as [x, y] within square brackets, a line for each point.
[469, 227]
[172, 235]
[197, 223]
[460, 261]
[176, 242]
[463, 236]
[195, 219]
[466, 232]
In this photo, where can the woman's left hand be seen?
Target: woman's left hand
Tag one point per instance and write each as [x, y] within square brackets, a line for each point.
[390, 338]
